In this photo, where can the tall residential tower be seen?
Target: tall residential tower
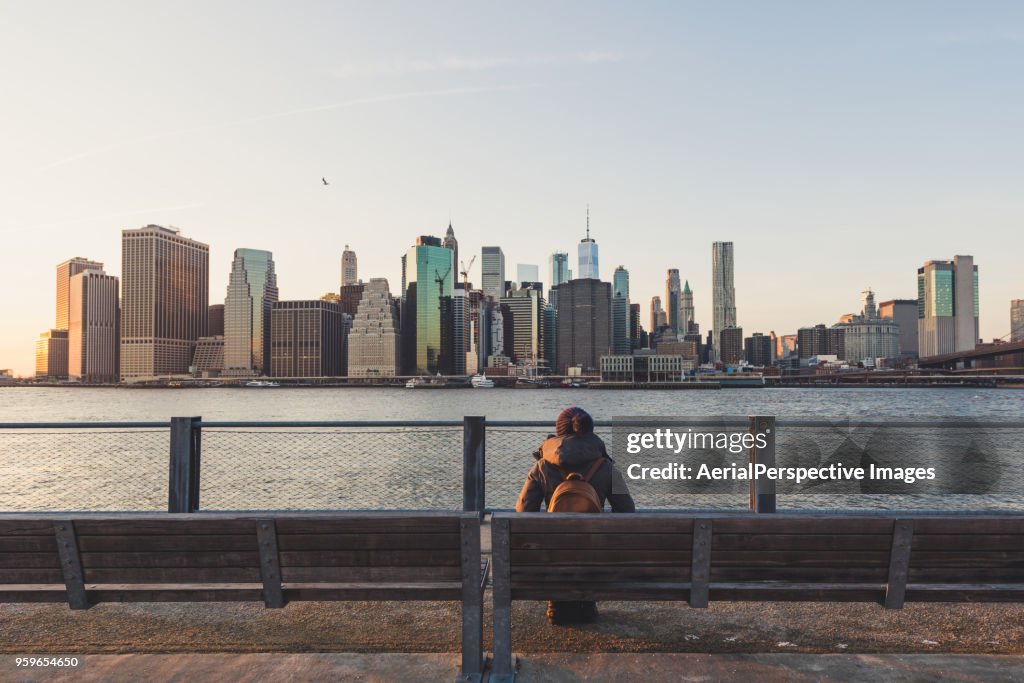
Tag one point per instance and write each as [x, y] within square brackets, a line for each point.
[723, 293]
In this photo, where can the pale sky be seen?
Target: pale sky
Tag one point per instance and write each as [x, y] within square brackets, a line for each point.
[839, 145]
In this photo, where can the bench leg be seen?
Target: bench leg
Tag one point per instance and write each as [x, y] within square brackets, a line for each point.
[503, 670]
[472, 602]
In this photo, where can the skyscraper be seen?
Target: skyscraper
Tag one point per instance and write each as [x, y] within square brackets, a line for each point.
[164, 303]
[658, 317]
[492, 272]
[588, 261]
[584, 324]
[373, 342]
[723, 293]
[621, 343]
[558, 264]
[758, 350]
[687, 318]
[947, 306]
[66, 271]
[431, 268]
[1017, 320]
[673, 301]
[307, 339]
[349, 267]
[450, 242]
[903, 312]
[731, 339]
[93, 327]
[215, 320]
[525, 307]
[252, 291]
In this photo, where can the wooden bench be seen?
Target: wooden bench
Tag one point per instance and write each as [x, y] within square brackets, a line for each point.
[271, 557]
[742, 556]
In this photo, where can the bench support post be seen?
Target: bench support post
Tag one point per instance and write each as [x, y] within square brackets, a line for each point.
[472, 601]
[762, 491]
[899, 563]
[502, 669]
[183, 482]
[700, 563]
[71, 564]
[270, 563]
[473, 453]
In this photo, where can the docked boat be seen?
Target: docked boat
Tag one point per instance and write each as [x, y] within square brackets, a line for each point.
[261, 383]
[481, 382]
[437, 382]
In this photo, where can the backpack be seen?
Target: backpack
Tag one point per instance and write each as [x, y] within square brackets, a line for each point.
[575, 493]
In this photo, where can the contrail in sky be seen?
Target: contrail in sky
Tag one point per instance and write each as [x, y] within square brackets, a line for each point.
[346, 104]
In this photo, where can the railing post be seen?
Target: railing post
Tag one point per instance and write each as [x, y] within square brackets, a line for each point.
[183, 481]
[474, 432]
[762, 491]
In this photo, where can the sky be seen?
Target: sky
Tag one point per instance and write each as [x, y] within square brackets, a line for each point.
[838, 145]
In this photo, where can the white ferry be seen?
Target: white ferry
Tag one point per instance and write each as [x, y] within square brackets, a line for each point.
[481, 382]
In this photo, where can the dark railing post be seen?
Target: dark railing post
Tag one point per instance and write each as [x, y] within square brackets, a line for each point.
[474, 433]
[183, 482]
[762, 490]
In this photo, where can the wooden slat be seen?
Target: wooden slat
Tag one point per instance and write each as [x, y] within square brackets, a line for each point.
[968, 559]
[28, 544]
[270, 564]
[994, 592]
[171, 525]
[49, 560]
[178, 559]
[957, 574]
[968, 542]
[547, 522]
[808, 574]
[174, 575]
[14, 593]
[340, 574]
[700, 563]
[451, 590]
[879, 542]
[899, 563]
[168, 543]
[535, 574]
[801, 524]
[549, 557]
[600, 541]
[39, 526]
[16, 576]
[969, 525]
[367, 541]
[809, 592]
[175, 593]
[357, 525]
[799, 558]
[663, 591]
[371, 558]
[70, 564]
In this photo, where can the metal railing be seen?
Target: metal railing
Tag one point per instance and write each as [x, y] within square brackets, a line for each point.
[190, 464]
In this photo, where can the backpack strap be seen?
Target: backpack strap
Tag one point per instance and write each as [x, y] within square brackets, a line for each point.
[593, 469]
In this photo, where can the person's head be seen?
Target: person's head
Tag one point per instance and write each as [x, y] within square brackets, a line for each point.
[573, 421]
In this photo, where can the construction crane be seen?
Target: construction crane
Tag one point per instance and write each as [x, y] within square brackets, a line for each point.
[465, 273]
[466, 334]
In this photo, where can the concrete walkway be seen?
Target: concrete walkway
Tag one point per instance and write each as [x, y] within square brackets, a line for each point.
[542, 668]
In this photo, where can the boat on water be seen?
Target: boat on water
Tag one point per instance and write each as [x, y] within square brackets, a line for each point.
[261, 383]
[426, 382]
[481, 382]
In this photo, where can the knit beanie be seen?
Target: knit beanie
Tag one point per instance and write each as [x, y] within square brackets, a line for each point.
[574, 421]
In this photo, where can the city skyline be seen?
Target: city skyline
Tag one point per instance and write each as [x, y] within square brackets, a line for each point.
[861, 142]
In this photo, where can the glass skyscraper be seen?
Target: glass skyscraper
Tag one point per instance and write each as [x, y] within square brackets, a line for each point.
[947, 306]
[431, 268]
[252, 291]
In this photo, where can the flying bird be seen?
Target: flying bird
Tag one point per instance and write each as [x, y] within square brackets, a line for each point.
[324, 180]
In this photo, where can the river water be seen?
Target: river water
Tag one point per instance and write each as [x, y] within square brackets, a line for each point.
[421, 468]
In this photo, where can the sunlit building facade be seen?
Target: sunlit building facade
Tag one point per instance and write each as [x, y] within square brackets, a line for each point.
[252, 291]
[52, 355]
[93, 328]
[165, 301]
[65, 271]
[349, 267]
[947, 306]
[374, 340]
[1017, 320]
[431, 268]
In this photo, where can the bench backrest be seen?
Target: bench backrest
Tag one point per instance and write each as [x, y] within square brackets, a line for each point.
[683, 556]
[111, 555]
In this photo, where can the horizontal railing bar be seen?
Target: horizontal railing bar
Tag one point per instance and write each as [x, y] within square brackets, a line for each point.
[959, 423]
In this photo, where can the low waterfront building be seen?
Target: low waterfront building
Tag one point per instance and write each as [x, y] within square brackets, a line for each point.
[374, 342]
[867, 337]
[208, 360]
[644, 368]
[52, 355]
[818, 341]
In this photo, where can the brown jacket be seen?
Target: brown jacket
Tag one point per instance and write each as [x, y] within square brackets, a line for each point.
[560, 456]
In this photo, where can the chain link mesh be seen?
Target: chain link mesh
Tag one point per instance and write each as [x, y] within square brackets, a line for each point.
[331, 469]
[83, 470]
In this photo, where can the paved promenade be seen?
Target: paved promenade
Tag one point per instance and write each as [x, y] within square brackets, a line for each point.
[549, 668]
